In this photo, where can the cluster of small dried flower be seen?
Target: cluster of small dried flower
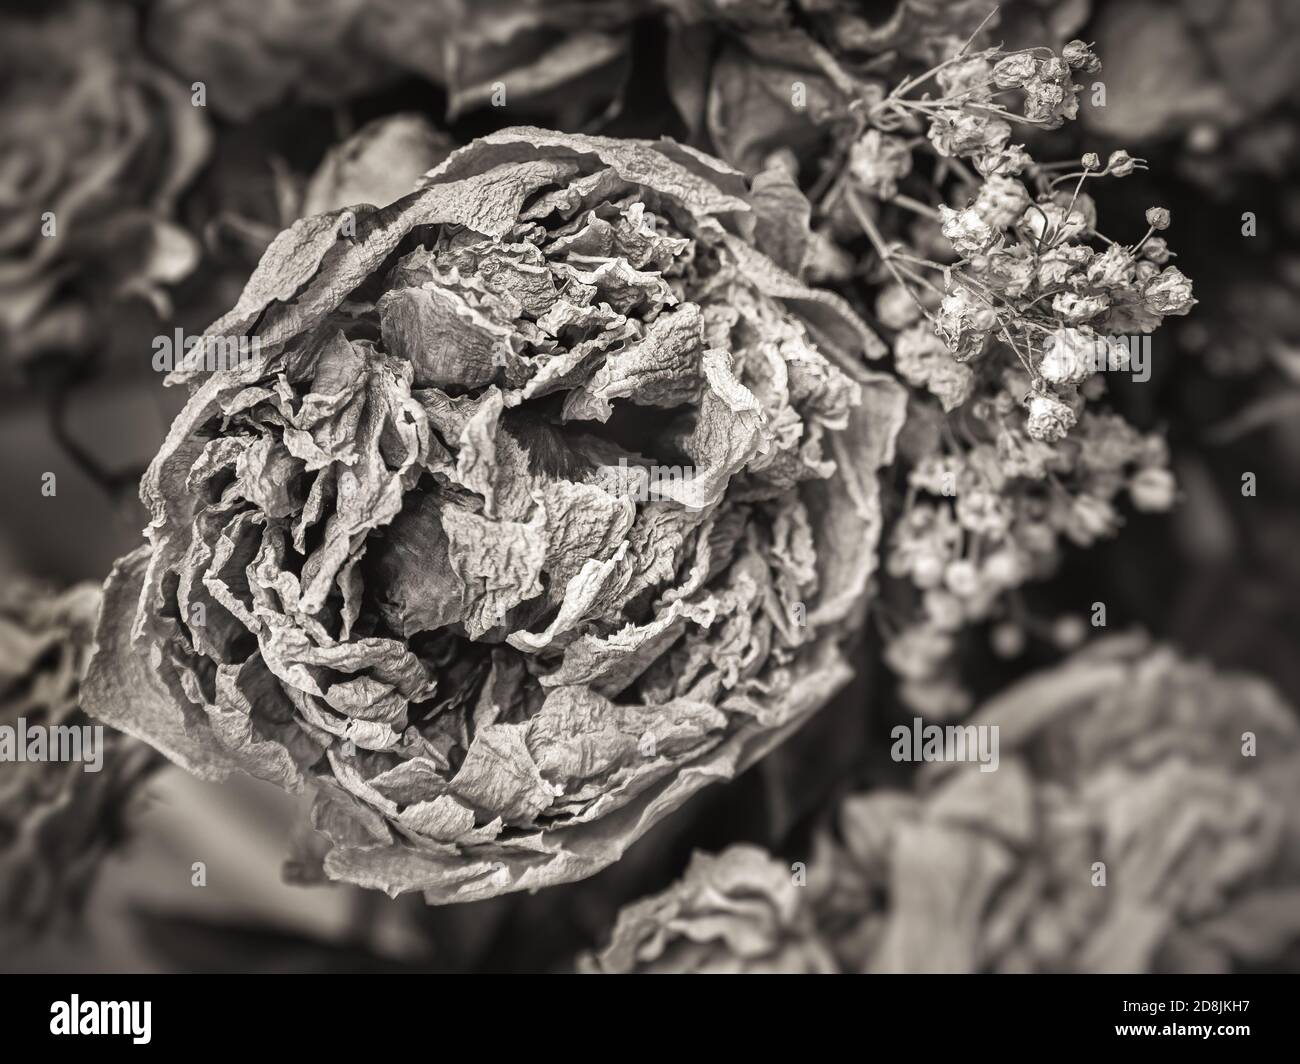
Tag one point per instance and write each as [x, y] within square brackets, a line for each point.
[1005, 340]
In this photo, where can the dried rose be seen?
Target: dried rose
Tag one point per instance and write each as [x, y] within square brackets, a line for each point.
[251, 54]
[1142, 818]
[58, 817]
[97, 145]
[377, 164]
[544, 501]
[738, 912]
[525, 54]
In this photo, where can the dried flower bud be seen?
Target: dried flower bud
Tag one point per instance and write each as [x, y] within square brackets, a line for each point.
[895, 307]
[1091, 161]
[1158, 217]
[1091, 518]
[1013, 71]
[1068, 631]
[1005, 568]
[964, 321]
[1007, 639]
[1076, 308]
[878, 161]
[1069, 356]
[966, 229]
[1008, 271]
[1169, 293]
[917, 652]
[1001, 201]
[1113, 268]
[1157, 250]
[925, 361]
[1049, 418]
[927, 570]
[1080, 57]
[1121, 163]
[1006, 162]
[968, 79]
[1152, 490]
[1048, 221]
[963, 133]
[943, 609]
[961, 577]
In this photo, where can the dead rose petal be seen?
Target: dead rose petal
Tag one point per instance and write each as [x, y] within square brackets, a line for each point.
[377, 165]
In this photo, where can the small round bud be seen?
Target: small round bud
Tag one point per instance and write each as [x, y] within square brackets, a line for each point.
[1091, 161]
[1158, 217]
[943, 610]
[1008, 640]
[1080, 57]
[1157, 250]
[1068, 631]
[927, 571]
[1004, 568]
[1152, 490]
[1121, 163]
[961, 577]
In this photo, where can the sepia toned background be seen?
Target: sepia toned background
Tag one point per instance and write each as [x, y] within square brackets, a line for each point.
[183, 199]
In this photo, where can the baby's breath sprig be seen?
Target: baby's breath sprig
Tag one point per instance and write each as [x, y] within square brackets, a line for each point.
[1007, 331]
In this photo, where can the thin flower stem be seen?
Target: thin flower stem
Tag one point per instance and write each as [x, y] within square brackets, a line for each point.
[878, 242]
[1138, 246]
[907, 256]
[916, 206]
[961, 169]
[978, 30]
[1075, 198]
[1046, 295]
[1005, 115]
[833, 70]
[922, 280]
[908, 84]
